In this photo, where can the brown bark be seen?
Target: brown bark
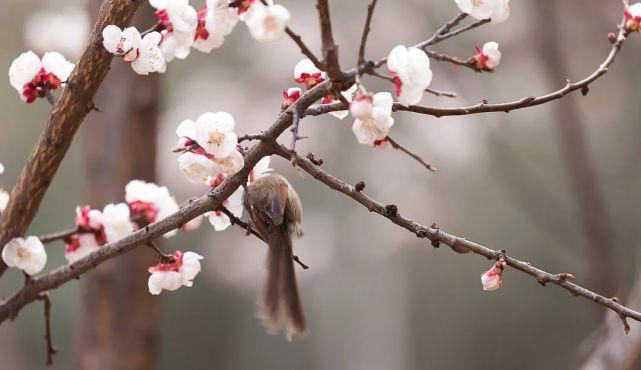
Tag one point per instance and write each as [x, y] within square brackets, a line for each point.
[590, 201]
[64, 120]
[117, 323]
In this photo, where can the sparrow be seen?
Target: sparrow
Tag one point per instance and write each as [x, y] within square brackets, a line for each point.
[275, 212]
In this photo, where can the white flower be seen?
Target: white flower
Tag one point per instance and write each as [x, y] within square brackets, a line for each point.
[198, 168]
[260, 169]
[497, 10]
[306, 72]
[348, 95]
[122, 42]
[143, 53]
[179, 21]
[412, 74]
[80, 246]
[181, 270]
[31, 77]
[214, 132]
[217, 22]
[633, 17]
[173, 46]
[1, 168]
[4, 199]
[176, 15]
[374, 127]
[501, 11]
[25, 254]
[65, 30]
[23, 69]
[168, 280]
[116, 222]
[267, 23]
[231, 164]
[150, 202]
[150, 58]
[234, 204]
[361, 107]
[491, 279]
[489, 57]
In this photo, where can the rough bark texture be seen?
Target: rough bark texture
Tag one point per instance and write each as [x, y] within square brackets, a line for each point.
[116, 326]
[64, 120]
[590, 202]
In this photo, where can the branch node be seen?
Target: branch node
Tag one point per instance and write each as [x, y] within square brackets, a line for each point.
[391, 210]
[624, 321]
[360, 186]
[314, 159]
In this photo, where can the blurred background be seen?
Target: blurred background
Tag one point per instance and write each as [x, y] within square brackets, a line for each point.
[555, 185]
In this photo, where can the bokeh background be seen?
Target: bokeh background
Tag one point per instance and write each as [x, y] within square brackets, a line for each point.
[556, 185]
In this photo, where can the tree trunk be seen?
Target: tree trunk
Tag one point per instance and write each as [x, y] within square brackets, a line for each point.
[117, 323]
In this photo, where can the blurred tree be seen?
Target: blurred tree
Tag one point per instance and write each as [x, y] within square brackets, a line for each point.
[585, 187]
[117, 323]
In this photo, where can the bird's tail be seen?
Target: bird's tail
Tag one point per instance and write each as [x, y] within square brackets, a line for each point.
[279, 305]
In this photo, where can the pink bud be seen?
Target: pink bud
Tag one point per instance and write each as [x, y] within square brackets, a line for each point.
[492, 278]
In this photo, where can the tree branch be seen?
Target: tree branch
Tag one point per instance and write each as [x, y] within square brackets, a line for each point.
[438, 236]
[330, 49]
[366, 29]
[9, 308]
[61, 235]
[75, 102]
[51, 350]
[414, 156]
[303, 48]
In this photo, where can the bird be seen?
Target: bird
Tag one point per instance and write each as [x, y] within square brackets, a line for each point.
[275, 212]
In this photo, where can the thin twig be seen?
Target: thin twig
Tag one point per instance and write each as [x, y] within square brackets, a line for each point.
[454, 60]
[303, 48]
[428, 90]
[438, 236]
[161, 254]
[295, 137]
[250, 231]
[49, 238]
[438, 37]
[415, 156]
[51, 350]
[447, 94]
[366, 30]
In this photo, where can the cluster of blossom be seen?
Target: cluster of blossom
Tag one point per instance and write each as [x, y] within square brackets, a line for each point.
[180, 27]
[209, 154]
[306, 73]
[145, 203]
[35, 78]
[174, 271]
[4, 195]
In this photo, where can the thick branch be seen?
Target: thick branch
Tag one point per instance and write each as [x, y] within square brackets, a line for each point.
[63, 122]
[330, 49]
[438, 236]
